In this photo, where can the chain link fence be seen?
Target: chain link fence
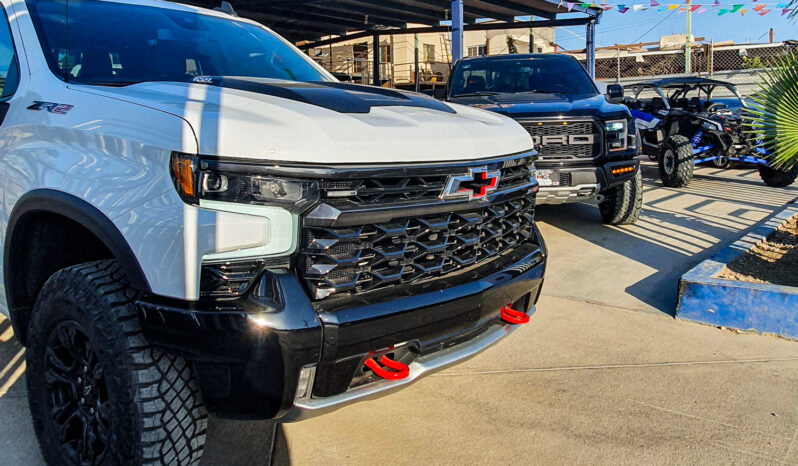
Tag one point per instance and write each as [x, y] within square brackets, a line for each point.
[739, 64]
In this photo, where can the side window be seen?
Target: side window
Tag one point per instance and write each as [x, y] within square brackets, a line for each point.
[9, 70]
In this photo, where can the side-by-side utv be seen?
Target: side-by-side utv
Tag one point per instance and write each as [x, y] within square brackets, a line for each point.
[688, 121]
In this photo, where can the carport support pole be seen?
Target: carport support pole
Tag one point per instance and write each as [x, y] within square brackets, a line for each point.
[376, 60]
[457, 30]
[590, 48]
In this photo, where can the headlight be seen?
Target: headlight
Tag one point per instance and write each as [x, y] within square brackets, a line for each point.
[616, 133]
[711, 125]
[194, 181]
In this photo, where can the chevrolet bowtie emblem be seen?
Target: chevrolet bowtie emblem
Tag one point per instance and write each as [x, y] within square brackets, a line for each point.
[476, 184]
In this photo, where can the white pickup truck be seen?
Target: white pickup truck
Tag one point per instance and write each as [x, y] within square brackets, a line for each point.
[198, 218]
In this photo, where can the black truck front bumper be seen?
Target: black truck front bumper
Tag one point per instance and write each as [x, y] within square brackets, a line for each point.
[579, 183]
[273, 355]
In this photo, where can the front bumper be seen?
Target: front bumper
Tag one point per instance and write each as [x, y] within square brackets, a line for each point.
[248, 354]
[585, 182]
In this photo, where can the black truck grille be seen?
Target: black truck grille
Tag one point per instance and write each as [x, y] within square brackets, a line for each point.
[409, 250]
[553, 144]
[392, 188]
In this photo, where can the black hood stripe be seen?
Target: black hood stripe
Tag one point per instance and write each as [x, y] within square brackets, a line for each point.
[340, 97]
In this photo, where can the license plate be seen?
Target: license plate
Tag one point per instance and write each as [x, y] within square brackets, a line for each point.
[547, 177]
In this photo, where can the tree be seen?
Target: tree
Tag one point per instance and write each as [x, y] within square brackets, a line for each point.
[774, 116]
[511, 48]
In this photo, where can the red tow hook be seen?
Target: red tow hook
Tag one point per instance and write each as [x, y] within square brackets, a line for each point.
[511, 316]
[399, 370]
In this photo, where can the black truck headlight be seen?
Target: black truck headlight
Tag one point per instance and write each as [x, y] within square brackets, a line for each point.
[195, 181]
[616, 133]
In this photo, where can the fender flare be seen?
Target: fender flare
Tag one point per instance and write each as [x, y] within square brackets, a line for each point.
[83, 213]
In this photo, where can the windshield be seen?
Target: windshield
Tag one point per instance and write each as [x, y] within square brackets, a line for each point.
[544, 74]
[107, 43]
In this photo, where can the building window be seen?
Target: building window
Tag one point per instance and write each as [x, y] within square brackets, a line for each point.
[429, 53]
[385, 54]
[477, 51]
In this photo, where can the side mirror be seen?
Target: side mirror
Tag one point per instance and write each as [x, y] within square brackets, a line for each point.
[614, 92]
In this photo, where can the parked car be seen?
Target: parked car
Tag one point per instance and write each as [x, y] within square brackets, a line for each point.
[199, 218]
[688, 121]
[587, 146]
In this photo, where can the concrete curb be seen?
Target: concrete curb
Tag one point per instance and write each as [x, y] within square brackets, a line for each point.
[745, 306]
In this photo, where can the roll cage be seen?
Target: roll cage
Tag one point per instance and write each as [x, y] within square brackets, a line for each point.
[679, 89]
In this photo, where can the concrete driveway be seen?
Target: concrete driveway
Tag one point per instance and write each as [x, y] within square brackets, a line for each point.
[603, 374]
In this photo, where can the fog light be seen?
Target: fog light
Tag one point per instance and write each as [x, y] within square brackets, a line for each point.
[622, 170]
[305, 384]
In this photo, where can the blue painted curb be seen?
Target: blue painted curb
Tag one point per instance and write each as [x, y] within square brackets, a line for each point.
[745, 306]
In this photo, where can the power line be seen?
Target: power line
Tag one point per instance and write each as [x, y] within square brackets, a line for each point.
[654, 26]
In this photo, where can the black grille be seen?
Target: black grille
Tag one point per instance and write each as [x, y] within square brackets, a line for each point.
[399, 188]
[409, 250]
[565, 179]
[555, 150]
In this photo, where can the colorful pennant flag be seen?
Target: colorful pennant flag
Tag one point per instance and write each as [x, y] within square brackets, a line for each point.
[673, 7]
[695, 7]
[722, 12]
[764, 12]
[624, 10]
[637, 7]
[742, 12]
[784, 11]
[654, 3]
[736, 8]
[717, 4]
[760, 7]
[701, 11]
[608, 8]
[585, 6]
[570, 5]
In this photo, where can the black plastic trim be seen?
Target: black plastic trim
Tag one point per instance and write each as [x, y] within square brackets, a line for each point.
[80, 211]
[353, 170]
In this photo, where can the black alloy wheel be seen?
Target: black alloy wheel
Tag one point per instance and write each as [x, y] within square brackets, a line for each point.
[78, 402]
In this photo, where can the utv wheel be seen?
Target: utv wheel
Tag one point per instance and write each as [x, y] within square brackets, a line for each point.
[778, 178]
[622, 204]
[98, 393]
[722, 162]
[676, 162]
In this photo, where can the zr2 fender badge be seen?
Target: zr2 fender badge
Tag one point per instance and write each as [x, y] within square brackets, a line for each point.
[52, 107]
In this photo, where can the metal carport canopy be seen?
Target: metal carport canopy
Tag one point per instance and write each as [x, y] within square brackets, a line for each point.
[313, 22]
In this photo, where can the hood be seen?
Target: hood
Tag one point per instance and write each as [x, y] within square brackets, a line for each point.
[326, 122]
[520, 106]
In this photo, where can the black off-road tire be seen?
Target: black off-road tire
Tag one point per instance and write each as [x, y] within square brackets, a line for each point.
[676, 162]
[622, 204]
[141, 406]
[778, 178]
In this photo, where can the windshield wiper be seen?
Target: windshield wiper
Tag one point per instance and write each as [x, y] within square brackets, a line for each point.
[476, 94]
[542, 91]
[108, 83]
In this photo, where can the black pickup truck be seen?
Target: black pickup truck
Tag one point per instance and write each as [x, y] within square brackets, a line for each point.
[587, 145]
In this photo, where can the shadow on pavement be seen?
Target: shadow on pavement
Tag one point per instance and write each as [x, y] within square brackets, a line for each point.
[678, 229]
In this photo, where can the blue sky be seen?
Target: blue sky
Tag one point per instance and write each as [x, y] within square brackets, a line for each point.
[637, 26]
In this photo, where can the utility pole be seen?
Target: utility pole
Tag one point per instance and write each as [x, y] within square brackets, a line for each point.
[415, 59]
[688, 39]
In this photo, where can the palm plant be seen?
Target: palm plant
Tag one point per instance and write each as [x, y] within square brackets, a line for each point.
[774, 116]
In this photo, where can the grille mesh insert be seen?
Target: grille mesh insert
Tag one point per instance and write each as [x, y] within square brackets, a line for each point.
[410, 250]
[555, 150]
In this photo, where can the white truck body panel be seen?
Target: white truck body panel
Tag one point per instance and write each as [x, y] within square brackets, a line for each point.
[112, 150]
